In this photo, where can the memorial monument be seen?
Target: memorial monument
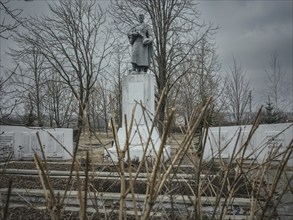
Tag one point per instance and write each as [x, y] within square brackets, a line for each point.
[138, 89]
[141, 38]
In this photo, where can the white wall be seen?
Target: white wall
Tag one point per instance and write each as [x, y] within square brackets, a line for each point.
[23, 142]
[266, 137]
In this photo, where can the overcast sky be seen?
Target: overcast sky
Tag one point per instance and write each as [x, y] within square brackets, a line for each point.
[250, 31]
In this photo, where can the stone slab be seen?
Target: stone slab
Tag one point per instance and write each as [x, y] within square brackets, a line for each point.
[21, 142]
[267, 137]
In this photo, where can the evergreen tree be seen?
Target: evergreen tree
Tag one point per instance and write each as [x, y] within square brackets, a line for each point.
[271, 114]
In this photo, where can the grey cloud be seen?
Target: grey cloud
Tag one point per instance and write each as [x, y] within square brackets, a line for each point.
[251, 31]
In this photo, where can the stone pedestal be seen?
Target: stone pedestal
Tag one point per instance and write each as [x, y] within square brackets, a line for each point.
[138, 89]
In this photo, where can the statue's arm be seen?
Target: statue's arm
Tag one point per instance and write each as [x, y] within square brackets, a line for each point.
[131, 40]
[150, 33]
[149, 36]
[131, 35]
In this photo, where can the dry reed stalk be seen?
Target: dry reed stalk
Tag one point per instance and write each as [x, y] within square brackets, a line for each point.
[42, 151]
[133, 198]
[86, 185]
[121, 169]
[80, 192]
[198, 167]
[210, 185]
[7, 159]
[71, 168]
[255, 185]
[182, 149]
[95, 202]
[231, 189]
[122, 213]
[232, 186]
[148, 160]
[262, 184]
[195, 122]
[41, 176]
[45, 180]
[121, 156]
[131, 185]
[149, 130]
[261, 192]
[143, 159]
[219, 194]
[276, 179]
[286, 188]
[228, 168]
[151, 188]
[97, 137]
[254, 127]
[58, 207]
[5, 213]
[185, 144]
[62, 145]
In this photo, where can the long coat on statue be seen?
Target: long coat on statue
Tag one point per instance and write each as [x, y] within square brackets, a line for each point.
[141, 39]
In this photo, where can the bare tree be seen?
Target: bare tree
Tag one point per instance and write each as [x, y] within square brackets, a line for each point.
[176, 32]
[39, 87]
[59, 103]
[29, 117]
[275, 81]
[237, 93]
[202, 81]
[10, 21]
[7, 106]
[93, 111]
[104, 104]
[29, 81]
[118, 69]
[75, 43]
[106, 98]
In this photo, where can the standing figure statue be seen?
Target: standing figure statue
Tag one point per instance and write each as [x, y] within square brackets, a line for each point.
[141, 38]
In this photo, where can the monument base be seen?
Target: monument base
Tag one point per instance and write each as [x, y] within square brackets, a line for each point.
[138, 143]
[138, 90]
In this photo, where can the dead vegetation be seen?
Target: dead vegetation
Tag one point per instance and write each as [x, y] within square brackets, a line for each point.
[184, 187]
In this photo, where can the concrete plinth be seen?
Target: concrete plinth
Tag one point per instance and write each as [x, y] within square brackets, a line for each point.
[138, 142]
[138, 89]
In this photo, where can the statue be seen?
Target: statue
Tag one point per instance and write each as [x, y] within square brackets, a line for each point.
[141, 38]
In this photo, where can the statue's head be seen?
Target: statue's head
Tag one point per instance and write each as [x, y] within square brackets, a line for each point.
[141, 18]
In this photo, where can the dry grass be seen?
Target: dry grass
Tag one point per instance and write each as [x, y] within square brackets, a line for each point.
[212, 192]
